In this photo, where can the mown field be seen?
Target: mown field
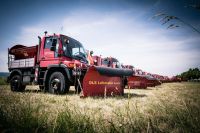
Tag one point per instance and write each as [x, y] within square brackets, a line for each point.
[171, 107]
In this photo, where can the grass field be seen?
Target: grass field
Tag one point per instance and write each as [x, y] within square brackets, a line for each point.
[171, 107]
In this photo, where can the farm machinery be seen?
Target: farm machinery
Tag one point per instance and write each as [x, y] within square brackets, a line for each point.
[139, 79]
[57, 63]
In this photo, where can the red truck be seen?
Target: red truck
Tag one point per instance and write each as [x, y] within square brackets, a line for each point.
[106, 62]
[141, 79]
[111, 62]
[57, 63]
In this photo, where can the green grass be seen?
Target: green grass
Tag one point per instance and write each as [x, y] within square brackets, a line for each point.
[172, 107]
[3, 81]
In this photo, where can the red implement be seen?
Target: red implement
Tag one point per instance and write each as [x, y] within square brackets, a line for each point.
[104, 81]
[137, 81]
[151, 81]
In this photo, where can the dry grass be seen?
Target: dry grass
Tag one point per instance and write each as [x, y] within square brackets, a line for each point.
[173, 107]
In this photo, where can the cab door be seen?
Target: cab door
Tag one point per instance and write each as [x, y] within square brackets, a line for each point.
[50, 56]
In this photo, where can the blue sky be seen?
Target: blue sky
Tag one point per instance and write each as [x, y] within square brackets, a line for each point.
[119, 28]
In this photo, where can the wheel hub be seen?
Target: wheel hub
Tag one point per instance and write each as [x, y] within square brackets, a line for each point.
[55, 84]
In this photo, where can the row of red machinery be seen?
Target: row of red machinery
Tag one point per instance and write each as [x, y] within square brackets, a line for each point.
[58, 62]
[139, 79]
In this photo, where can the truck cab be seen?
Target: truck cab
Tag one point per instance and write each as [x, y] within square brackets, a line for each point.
[61, 50]
[106, 62]
[56, 63]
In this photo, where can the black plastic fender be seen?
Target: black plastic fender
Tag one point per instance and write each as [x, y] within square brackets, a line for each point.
[118, 72]
[13, 72]
[64, 67]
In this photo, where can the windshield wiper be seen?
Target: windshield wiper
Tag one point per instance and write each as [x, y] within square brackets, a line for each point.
[81, 57]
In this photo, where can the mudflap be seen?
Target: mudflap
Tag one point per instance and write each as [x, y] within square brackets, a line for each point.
[104, 81]
[137, 82]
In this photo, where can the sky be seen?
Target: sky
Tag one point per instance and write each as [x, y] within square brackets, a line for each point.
[123, 29]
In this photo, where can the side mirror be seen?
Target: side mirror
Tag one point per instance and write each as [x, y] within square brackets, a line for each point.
[54, 42]
[53, 45]
[66, 41]
[91, 53]
[53, 48]
[109, 63]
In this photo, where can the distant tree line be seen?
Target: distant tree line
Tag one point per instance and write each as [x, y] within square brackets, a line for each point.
[191, 74]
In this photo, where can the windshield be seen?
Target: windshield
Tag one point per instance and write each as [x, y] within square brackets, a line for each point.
[116, 63]
[73, 48]
[111, 61]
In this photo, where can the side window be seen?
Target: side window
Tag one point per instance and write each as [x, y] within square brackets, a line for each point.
[105, 62]
[75, 51]
[48, 43]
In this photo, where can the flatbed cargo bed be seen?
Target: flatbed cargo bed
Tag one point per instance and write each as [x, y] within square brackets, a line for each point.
[22, 57]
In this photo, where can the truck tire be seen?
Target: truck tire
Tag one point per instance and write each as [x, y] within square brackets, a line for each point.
[16, 83]
[57, 83]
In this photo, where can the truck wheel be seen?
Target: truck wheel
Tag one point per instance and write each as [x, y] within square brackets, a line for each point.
[16, 83]
[57, 83]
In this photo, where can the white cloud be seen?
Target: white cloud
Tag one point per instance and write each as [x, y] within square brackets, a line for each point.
[130, 40]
